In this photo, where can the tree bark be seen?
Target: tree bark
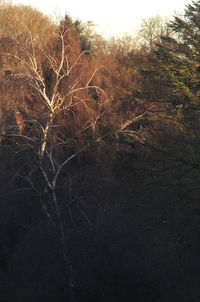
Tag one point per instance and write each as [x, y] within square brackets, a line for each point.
[68, 267]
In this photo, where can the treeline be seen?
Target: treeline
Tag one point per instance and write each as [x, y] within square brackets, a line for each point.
[99, 147]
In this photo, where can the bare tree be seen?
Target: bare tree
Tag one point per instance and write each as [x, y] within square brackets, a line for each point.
[151, 31]
[59, 86]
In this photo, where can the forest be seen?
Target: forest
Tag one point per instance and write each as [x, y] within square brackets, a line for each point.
[99, 159]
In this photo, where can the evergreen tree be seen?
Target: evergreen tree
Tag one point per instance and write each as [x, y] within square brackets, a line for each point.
[173, 83]
[175, 64]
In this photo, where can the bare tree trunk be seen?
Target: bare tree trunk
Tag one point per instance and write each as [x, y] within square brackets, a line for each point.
[45, 135]
[68, 267]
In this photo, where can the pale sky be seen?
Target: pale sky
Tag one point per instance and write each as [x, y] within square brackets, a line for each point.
[112, 17]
